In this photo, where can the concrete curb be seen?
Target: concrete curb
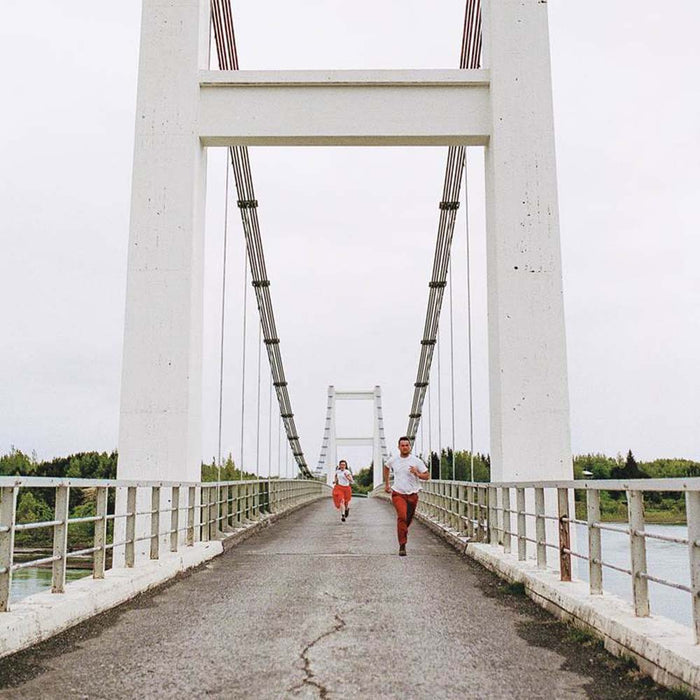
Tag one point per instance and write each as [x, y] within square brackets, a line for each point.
[662, 648]
[43, 615]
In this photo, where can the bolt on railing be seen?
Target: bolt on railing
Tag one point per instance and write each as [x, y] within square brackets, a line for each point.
[192, 511]
[483, 513]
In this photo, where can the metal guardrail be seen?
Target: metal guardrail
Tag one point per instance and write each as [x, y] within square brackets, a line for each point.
[485, 512]
[194, 511]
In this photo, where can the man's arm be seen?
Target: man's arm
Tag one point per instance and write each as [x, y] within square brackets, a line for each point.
[423, 476]
[387, 488]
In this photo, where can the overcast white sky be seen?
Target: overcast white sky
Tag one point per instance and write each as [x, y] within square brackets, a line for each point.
[339, 224]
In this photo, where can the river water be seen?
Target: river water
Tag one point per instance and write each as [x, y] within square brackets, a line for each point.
[664, 559]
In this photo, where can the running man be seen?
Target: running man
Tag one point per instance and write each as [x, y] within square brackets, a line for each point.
[408, 471]
[342, 491]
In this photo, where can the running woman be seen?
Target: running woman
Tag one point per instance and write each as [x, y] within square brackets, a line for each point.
[342, 491]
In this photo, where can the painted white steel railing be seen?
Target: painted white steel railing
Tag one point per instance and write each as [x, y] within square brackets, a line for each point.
[193, 511]
[513, 515]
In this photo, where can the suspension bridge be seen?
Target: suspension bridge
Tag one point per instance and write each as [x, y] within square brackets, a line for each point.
[252, 588]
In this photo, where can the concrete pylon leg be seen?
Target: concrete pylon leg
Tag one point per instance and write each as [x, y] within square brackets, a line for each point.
[530, 433]
[332, 442]
[377, 456]
[160, 419]
[160, 416]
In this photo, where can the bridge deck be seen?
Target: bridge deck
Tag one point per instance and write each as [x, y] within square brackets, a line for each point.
[314, 607]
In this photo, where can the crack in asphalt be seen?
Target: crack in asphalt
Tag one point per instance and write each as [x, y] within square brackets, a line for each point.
[309, 680]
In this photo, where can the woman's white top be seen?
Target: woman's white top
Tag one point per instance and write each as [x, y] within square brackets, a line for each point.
[344, 477]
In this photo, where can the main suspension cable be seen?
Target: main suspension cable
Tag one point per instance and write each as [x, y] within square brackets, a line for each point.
[257, 439]
[269, 434]
[469, 328]
[243, 355]
[223, 317]
[222, 23]
[452, 372]
[470, 58]
[439, 403]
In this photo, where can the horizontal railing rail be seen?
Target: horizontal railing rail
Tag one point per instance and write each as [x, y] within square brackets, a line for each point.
[164, 514]
[515, 517]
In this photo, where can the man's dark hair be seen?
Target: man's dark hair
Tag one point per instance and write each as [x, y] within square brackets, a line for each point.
[405, 437]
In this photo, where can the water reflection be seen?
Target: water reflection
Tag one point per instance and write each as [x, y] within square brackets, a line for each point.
[33, 580]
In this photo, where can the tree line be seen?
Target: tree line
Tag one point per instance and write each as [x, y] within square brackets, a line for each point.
[37, 505]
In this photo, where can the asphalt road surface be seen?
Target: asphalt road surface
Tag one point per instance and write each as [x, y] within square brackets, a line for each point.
[312, 607]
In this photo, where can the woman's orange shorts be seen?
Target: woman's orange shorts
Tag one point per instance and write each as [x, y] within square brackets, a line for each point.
[341, 493]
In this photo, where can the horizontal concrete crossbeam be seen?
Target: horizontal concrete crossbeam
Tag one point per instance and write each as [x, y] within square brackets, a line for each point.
[345, 108]
[354, 442]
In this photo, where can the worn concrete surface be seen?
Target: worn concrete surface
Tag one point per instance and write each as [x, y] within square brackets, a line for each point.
[318, 608]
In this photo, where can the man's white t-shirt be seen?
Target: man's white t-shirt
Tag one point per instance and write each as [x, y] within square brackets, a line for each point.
[404, 481]
[344, 477]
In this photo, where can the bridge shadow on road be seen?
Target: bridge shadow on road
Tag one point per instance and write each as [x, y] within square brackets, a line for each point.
[313, 607]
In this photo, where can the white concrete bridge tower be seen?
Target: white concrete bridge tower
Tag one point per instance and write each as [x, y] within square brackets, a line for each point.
[183, 108]
[328, 458]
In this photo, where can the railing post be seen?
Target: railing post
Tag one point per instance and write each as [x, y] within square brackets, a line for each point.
[225, 510]
[505, 497]
[191, 505]
[451, 506]
[638, 553]
[484, 513]
[520, 507]
[155, 522]
[213, 512]
[60, 540]
[174, 518]
[564, 535]
[8, 507]
[100, 540]
[205, 511]
[130, 546]
[462, 509]
[692, 513]
[237, 515]
[470, 512]
[493, 515]
[595, 551]
[247, 515]
[256, 500]
[540, 529]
